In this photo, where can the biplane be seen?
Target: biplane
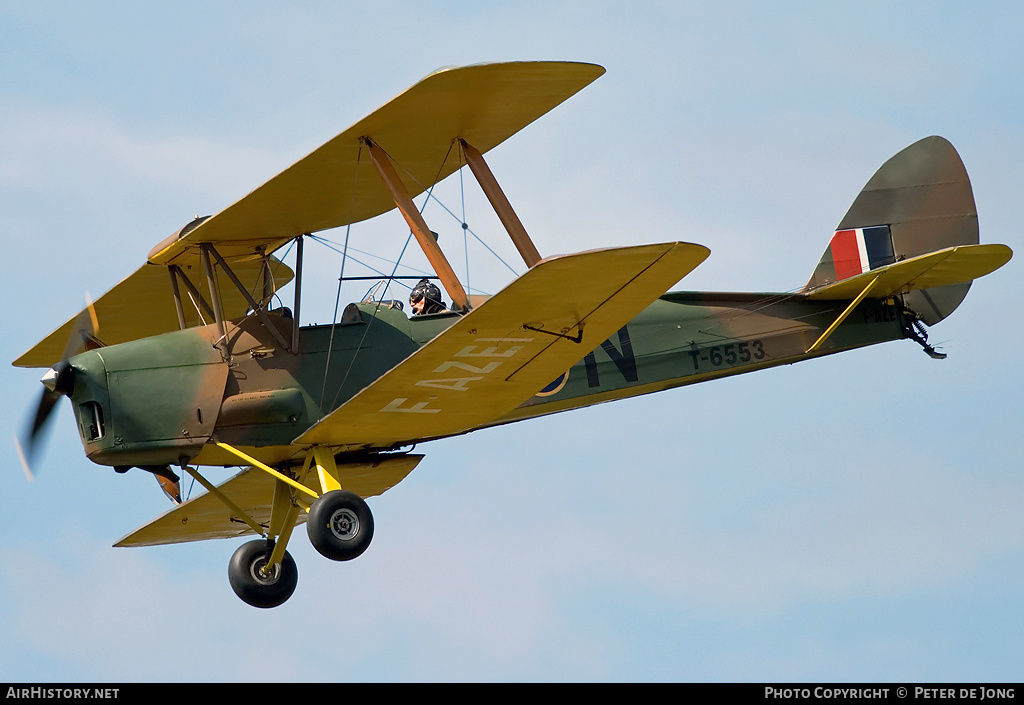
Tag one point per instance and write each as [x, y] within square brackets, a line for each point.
[188, 363]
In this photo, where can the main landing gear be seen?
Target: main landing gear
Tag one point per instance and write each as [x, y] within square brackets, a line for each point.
[339, 524]
[340, 527]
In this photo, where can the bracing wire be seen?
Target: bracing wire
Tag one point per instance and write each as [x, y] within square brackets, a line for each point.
[346, 254]
[334, 319]
[195, 303]
[332, 245]
[394, 271]
[366, 330]
[341, 279]
[454, 216]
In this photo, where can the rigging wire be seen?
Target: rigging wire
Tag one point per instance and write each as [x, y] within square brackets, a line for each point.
[275, 268]
[470, 231]
[341, 279]
[199, 311]
[332, 245]
[366, 332]
[452, 214]
[334, 319]
[397, 263]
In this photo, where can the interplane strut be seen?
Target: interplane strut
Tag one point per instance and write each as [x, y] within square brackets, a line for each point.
[418, 226]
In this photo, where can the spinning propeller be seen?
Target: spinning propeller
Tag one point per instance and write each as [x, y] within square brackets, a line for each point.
[58, 381]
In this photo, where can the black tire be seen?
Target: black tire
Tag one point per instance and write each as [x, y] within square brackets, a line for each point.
[252, 586]
[340, 525]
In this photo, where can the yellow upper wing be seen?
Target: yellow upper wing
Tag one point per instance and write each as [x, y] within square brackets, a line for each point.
[336, 184]
[515, 343]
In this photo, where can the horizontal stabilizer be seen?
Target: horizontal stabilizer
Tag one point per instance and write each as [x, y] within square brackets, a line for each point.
[252, 490]
[512, 346]
[952, 265]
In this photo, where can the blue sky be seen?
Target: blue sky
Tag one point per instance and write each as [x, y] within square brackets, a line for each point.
[854, 518]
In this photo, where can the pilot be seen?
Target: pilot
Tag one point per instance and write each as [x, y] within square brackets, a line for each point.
[425, 298]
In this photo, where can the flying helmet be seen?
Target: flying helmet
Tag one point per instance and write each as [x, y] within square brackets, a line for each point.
[425, 289]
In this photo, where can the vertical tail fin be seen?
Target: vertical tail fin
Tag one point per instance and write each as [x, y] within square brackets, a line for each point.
[918, 202]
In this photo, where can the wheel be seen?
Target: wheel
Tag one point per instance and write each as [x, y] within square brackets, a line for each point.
[249, 583]
[340, 525]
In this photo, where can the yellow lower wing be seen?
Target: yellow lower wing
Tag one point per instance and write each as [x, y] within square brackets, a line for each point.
[499, 355]
[252, 491]
[952, 265]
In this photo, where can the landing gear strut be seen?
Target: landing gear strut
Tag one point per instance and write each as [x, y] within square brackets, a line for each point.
[339, 524]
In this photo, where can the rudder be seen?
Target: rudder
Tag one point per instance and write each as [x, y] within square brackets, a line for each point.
[918, 202]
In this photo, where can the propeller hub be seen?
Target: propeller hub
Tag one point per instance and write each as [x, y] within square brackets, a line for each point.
[60, 379]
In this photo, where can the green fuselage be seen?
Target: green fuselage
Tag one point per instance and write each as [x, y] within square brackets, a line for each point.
[160, 400]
